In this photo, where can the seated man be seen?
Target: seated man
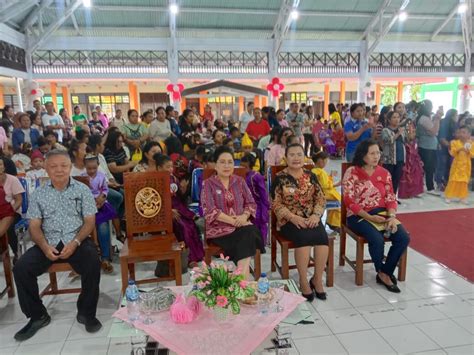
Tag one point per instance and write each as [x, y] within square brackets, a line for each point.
[62, 217]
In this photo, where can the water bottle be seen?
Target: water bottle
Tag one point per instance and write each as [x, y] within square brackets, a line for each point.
[132, 296]
[263, 287]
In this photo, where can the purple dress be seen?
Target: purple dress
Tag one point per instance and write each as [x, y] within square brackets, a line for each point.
[327, 142]
[98, 185]
[256, 184]
[411, 183]
[184, 228]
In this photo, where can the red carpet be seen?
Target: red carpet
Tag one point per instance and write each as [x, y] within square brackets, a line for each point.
[445, 236]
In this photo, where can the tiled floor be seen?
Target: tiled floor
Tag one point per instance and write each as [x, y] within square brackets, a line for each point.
[434, 314]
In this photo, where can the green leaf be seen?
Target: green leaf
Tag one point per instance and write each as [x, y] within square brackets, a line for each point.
[235, 307]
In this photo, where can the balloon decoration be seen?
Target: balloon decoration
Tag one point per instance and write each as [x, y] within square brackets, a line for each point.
[31, 91]
[275, 87]
[466, 90]
[368, 88]
[174, 90]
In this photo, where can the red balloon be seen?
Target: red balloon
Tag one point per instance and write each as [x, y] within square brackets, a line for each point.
[33, 92]
[176, 96]
[275, 81]
[169, 87]
[270, 87]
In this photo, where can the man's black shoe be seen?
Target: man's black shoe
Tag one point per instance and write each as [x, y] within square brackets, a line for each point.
[93, 325]
[32, 327]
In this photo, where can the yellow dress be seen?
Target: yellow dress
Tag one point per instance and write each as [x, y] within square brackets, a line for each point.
[240, 155]
[335, 117]
[327, 183]
[460, 172]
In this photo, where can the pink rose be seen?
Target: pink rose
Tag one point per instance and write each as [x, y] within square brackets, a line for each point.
[221, 301]
[243, 284]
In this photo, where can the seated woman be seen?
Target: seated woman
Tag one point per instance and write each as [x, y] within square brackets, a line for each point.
[183, 218]
[320, 160]
[116, 157]
[298, 203]
[228, 204]
[371, 206]
[256, 184]
[77, 152]
[325, 138]
[147, 163]
[105, 212]
[10, 201]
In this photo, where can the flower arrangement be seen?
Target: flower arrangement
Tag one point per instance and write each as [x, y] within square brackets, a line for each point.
[217, 285]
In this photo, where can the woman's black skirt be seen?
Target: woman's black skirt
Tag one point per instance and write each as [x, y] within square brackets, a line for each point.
[241, 243]
[305, 237]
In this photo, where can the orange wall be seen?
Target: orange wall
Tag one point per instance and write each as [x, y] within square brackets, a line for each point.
[54, 93]
[326, 101]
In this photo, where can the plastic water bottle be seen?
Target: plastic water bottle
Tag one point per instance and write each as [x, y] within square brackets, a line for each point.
[263, 287]
[132, 296]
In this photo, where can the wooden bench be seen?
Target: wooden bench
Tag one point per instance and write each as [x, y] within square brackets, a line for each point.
[286, 245]
[358, 263]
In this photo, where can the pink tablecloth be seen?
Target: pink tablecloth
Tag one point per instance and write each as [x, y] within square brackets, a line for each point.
[242, 334]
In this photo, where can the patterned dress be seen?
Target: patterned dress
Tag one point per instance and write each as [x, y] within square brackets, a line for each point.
[460, 172]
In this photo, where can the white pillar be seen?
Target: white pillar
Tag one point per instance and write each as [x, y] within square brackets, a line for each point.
[465, 94]
[18, 93]
[363, 73]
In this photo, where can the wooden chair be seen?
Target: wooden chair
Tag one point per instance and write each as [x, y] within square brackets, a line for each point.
[211, 249]
[148, 211]
[7, 268]
[61, 266]
[358, 263]
[286, 245]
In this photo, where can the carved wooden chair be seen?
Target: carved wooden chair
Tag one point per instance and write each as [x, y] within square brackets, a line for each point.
[358, 263]
[285, 245]
[211, 249]
[148, 212]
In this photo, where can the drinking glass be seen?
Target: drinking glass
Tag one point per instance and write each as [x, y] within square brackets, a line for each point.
[278, 291]
[147, 305]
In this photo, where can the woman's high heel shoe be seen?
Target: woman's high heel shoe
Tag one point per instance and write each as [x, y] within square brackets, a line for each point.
[392, 288]
[319, 295]
[309, 297]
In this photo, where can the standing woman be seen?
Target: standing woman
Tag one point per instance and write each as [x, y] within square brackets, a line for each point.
[371, 207]
[68, 125]
[228, 205]
[334, 115]
[356, 130]
[307, 131]
[134, 133]
[427, 135]
[298, 203]
[393, 148]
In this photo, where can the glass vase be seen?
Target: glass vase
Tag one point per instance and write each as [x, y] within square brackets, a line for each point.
[221, 315]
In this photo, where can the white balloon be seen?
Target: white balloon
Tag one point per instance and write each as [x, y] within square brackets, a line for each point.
[276, 87]
[39, 93]
[33, 85]
[175, 88]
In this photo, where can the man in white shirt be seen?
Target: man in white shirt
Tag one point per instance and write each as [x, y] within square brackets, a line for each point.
[246, 117]
[118, 121]
[52, 121]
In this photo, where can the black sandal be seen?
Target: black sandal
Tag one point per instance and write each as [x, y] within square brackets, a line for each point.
[121, 238]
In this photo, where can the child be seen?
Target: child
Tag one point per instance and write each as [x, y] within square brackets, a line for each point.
[37, 171]
[338, 138]
[22, 158]
[196, 162]
[247, 148]
[105, 212]
[235, 135]
[326, 181]
[462, 151]
[325, 138]
[256, 184]
[183, 219]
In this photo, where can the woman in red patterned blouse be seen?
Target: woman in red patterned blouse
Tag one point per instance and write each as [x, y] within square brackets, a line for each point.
[228, 205]
[371, 206]
[298, 203]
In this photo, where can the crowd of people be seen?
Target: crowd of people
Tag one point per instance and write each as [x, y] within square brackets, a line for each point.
[392, 153]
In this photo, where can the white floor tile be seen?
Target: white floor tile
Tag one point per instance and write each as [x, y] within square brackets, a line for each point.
[468, 297]
[319, 328]
[460, 350]
[344, 321]
[7, 331]
[335, 300]
[416, 258]
[382, 316]
[453, 306]
[119, 347]
[466, 322]
[56, 331]
[324, 345]
[456, 284]
[78, 330]
[406, 293]
[40, 349]
[429, 288]
[431, 352]
[434, 270]
[446, 333]
[357, 343]
[9, 350]
[420, 310]
[364, 296]
[407, 339]
[86, 346]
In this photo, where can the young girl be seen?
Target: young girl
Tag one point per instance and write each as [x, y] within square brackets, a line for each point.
[183, 219]
[105, 212]
[338, 138]
[411, 182]
[320, 160]
[462, 150]
[247, 148]
[256, 184]
[37, 171]
[325, 138]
